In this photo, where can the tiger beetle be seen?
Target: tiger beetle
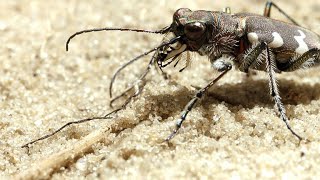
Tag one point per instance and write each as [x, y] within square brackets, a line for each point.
[251, 41]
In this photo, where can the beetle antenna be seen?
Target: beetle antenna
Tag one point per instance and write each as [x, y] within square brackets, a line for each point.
[161, 31]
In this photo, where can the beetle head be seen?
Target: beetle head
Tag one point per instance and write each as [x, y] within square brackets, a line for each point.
[192, 27]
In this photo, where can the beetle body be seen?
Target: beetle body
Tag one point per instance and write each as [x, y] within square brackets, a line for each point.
[214, 34]
[251, 42]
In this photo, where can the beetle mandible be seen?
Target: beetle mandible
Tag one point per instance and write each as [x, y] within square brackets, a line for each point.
[251, 41]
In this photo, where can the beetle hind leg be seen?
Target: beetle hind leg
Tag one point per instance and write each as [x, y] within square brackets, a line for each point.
[307, 59]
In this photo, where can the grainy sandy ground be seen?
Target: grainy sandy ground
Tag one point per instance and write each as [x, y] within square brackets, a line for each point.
[233, 133]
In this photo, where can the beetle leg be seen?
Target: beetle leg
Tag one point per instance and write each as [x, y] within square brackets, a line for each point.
[267, 11]
[221, 64]
[313, 56]
[275, 92]
[193, 101]
[251, 56]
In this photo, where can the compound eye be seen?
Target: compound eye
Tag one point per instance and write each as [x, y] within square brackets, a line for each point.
[194, 30]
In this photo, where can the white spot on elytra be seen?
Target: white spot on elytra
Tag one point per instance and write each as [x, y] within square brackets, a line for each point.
[302, 48]
[253, 38]
[277, 40]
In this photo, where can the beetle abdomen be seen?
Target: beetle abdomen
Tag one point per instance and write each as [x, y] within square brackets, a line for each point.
[285, 40]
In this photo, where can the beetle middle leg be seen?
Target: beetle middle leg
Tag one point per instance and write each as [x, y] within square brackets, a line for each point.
[275, 92]
[193, 101]
[253, 55]
[267, 11]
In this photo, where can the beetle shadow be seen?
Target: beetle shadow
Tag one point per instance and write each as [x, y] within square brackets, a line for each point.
[248, 94]
[256, 92]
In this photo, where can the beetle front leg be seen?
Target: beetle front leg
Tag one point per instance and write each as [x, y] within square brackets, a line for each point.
[313, 56]
[267, 11]
[221, 64]
[193, 101]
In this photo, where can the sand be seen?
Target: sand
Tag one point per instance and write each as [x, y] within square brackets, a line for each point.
[234, 132]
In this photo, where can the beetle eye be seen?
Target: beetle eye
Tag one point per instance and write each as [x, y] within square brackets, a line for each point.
[194, 30]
